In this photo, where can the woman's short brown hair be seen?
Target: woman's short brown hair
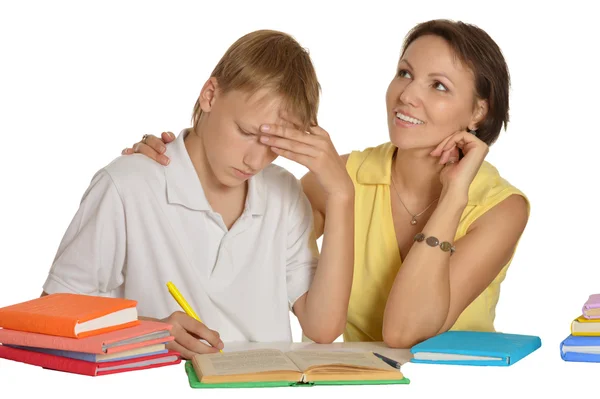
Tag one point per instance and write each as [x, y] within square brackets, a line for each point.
[271, 59]
[475, 49]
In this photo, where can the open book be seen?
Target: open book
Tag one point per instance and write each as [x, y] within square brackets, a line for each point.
[272, 367]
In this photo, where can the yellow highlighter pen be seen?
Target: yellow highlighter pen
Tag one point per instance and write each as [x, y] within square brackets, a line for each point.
[183, 303]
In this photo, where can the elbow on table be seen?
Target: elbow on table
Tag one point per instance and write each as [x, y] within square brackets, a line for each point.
[326, 334]
[402, 338]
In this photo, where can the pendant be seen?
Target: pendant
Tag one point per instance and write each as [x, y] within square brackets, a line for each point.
[413, 221]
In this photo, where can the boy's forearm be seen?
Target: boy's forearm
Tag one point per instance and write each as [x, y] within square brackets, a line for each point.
[327, 299]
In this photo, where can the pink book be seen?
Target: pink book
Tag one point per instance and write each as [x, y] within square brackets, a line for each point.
[145, 333]
[74, 366]
[591, 308]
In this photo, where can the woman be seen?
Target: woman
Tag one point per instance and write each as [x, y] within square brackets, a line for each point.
[435, 228]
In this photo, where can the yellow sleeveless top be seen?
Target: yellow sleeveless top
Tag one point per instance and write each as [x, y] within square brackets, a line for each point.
[377, 258]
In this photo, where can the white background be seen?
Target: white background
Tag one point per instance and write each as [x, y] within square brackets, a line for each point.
[80, 81]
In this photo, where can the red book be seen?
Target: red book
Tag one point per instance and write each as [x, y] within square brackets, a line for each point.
[75, 366]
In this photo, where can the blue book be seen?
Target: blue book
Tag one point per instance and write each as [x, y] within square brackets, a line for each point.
[474, 348]
[580, 349]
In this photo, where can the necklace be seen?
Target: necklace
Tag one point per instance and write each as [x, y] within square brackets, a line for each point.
[413, 221]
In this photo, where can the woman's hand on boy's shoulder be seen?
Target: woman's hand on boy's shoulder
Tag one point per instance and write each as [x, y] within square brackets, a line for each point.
[153, 147]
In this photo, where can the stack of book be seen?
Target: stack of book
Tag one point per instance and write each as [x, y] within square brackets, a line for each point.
[83, 334]
[583, 344]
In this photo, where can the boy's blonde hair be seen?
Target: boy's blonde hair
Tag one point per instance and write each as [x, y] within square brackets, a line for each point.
[272, 59]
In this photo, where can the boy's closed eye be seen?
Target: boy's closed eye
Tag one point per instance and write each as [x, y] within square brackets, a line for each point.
[246, 131]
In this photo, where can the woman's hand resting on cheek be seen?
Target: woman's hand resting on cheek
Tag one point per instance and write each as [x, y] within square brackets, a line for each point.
[457, 175]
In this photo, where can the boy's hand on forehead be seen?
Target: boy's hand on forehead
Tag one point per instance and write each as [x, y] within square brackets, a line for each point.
[312, 149]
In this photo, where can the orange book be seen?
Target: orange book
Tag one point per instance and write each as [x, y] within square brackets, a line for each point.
[70, 315]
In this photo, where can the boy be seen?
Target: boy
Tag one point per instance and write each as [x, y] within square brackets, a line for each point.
[233, 232]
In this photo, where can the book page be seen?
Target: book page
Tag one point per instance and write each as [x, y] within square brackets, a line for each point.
[246, 362]
[306, 359]
[452, 357]
[592, 312]
[401, 356]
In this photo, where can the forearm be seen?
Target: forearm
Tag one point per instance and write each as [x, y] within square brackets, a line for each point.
[327, 299]
[419, 300]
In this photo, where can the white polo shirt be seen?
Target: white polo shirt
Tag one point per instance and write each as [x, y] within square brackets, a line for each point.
[141, 224]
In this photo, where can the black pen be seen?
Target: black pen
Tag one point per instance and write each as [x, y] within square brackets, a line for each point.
[389, 361]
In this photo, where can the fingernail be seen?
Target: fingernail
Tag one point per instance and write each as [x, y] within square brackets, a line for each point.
[172, 135]
[264, 128]
[124, 151]
[165, 160]
[220, 345]
[162, 149]
[264, 139]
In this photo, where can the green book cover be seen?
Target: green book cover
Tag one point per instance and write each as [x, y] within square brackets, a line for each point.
[195, 383]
